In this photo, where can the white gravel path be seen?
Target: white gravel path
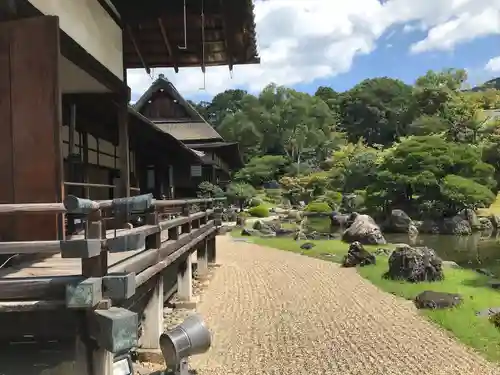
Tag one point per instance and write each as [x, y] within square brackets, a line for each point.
[275, 312]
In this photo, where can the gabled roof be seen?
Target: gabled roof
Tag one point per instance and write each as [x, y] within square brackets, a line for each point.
[189, 131]
[195, 129]
[171, 141]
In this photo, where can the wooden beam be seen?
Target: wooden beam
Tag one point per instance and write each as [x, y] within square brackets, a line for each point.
[228, 33]
[168, 45]
[137, 50]
[123, 151]
[8, 10]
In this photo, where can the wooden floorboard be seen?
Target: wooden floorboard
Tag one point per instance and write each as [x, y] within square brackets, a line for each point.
[54, 265]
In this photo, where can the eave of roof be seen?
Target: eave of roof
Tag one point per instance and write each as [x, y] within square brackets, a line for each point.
[145, 120]
[228, 151]
[154, 29]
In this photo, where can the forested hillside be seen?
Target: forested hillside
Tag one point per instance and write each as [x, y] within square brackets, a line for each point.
[427, 148]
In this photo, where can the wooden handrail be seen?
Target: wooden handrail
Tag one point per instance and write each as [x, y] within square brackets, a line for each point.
[57, 208]
[158, 252]
[92, 185]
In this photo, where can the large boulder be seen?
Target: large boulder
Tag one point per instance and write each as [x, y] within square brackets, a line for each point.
[456, 225]
[495, 220]
[338, 220]
[241, 221]
[365, 230]
[415, 264]
[471, 217]
[267, 226]
[437, 300]
[399, 222]
[486, 224]
[358, 256]
[429, 226]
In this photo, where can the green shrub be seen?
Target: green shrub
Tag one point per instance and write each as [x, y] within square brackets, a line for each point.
[244, 214]
[332, 198]
[259, 211]
[318, 206]
[273, 195]
[254, 202]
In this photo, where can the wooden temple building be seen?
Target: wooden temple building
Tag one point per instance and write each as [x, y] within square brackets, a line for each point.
[66, 123]
[72, 147]
[165, 107]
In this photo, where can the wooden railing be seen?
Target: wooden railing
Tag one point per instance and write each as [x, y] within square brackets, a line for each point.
[170, 229]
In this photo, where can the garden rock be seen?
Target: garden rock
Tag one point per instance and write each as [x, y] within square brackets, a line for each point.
[307, 246]
[338, 220]
[414, 264]
[451, 264]
[285, 232]
[495, 221]
[471, 217]
[351, 218]
[399, 222]
[430, 227]
[489, 312]
[357, 255]
[486, 224]
[241, 221]
[382, 251]
[494, 284]
[365, 230]
[437, 300]
[485, 272]
[456, 225]
[247, 232]
[258, 225]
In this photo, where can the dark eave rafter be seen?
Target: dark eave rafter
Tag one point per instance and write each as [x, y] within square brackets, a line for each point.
[172, 53]
[137, 50]
[228, 40]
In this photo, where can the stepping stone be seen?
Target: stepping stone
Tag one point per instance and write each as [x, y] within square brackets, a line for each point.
[488, 312]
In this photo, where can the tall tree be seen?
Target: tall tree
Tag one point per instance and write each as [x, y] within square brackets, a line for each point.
[378, 110]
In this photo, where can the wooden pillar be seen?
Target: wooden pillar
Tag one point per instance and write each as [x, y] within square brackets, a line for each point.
[123, 150]
[171, 189]
[30, 118]
[153, 318]
[202, 258]
[185, 280]
[211, 250]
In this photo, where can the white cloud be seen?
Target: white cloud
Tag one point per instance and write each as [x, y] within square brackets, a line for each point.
[303, 40]
[493, 65]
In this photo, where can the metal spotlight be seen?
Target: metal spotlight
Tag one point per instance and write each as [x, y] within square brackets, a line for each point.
[188, 338]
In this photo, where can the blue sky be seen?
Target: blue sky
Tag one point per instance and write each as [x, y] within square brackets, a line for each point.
[309, 43]
[393, 59]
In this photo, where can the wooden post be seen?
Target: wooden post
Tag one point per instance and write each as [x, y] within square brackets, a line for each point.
[30, 118]
[185, 228]
[202, 258]
[185, 280]
[123, 151]
[95, 266]
[152, 323]
[171, 188]
[211, 250]
[153, 241]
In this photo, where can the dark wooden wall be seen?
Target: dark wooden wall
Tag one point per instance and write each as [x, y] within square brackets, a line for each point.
[163, 107]
[30, 154]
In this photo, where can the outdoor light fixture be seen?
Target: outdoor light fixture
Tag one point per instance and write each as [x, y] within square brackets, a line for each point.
[189, 338]
[122, 365]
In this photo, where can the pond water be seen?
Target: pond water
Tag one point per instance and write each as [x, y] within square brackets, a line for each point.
[475, 251]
